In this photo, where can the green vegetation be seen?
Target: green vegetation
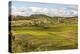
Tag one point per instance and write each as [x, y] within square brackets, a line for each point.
[43, 33]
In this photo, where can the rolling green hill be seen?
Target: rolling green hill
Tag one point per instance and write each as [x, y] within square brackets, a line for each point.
[43, 33]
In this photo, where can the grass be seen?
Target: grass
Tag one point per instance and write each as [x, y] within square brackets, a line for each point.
[55, 37]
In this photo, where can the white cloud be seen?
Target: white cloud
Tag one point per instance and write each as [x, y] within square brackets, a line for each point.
[23, 11]
[73, 7]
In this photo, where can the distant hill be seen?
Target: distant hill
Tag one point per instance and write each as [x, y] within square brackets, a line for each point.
[41, 19]
[40, 15]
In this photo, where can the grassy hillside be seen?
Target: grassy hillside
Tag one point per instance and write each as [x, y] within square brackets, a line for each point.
[43, 33]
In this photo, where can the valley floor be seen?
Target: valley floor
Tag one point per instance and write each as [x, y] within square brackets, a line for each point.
[54, 37]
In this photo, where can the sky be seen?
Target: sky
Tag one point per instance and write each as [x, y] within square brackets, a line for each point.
[51, 9]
